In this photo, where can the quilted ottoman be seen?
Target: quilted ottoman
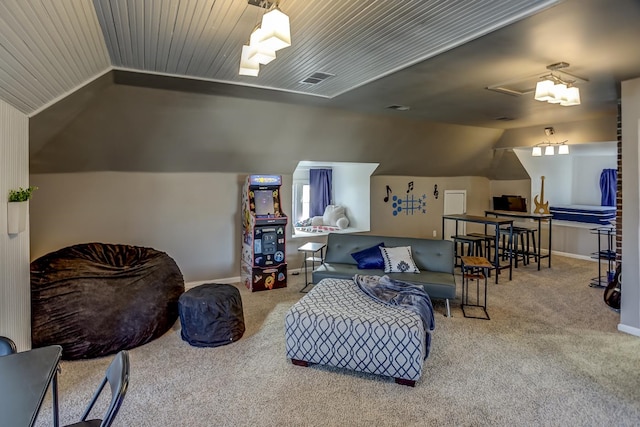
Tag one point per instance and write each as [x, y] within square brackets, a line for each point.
[336, 324]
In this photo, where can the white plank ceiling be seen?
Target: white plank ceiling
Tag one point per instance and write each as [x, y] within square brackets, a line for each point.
[50, 47]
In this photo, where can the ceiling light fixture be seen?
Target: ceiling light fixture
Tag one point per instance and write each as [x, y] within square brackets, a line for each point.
[274, 33]
[549, 147]
[556, 89]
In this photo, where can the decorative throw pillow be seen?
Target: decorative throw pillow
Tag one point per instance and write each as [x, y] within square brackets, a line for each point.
[331, 214]
[398, 260]
[370, 258]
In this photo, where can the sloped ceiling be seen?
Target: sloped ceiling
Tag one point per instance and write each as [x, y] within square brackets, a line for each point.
[358, 40]
[47, 50]
[437, 57]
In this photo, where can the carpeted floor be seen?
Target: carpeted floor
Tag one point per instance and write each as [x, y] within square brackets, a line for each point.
[550, 356]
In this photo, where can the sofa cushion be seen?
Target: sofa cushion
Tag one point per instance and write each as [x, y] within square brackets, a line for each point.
[437, 284]
[398, 260]
[370, 257]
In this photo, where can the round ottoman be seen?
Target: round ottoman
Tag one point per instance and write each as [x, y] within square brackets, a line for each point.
[211, 315]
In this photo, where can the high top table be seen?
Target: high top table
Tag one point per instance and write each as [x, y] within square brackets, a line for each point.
[24, 380]
[525, 215]
[497, 222]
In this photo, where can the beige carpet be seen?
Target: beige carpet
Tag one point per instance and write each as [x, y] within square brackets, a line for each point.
[550, 355]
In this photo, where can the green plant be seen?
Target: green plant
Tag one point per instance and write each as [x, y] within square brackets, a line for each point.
[22, 194]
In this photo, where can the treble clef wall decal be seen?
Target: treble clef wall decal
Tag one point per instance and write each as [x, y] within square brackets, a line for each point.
[435, 191]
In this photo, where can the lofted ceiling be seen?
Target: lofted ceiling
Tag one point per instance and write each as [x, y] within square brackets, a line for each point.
[437, 57]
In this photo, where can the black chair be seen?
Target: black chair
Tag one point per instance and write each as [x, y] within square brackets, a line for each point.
[7, 346]
[118, 378]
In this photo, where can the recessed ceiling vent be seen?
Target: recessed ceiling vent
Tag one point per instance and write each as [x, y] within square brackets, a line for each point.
[399, 107]
[316, 78]
[505, 118]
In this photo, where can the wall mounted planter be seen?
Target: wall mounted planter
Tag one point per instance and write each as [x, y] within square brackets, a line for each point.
[17, 217]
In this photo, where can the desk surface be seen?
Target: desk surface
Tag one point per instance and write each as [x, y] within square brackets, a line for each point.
[516, 214]
[477, 218]
[24, 380]
[311, 247]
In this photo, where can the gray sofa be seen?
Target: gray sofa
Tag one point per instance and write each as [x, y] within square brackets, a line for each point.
[434, 259]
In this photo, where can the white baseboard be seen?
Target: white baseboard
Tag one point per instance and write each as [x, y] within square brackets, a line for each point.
[236, 279]
[576, 256]
[629, 329]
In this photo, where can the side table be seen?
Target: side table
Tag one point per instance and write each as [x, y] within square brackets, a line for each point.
[310, 249]
[475, 268]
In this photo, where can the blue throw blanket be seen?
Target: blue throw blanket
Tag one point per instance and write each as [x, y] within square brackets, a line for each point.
[400, 294]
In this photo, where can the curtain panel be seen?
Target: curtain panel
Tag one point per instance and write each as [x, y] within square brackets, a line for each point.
[319, 191]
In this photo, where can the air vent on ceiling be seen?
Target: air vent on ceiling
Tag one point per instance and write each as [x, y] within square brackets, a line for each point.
[505, 118]
[398, 107]
[316, 78]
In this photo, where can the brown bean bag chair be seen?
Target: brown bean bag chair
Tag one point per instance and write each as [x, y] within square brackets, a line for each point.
[96, 299]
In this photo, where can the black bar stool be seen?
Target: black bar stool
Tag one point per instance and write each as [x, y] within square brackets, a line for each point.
[474, 246]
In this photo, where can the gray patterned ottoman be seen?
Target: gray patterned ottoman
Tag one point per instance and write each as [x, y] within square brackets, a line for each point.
[336, 324]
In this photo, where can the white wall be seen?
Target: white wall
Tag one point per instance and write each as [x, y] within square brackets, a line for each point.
[586, 178]
[15, 286]
[630, 310]
[572, 178]
[352, 190]
[557, 171]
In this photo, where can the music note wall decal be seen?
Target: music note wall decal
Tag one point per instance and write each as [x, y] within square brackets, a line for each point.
[386, 199]
[435, 191]
[409, 186]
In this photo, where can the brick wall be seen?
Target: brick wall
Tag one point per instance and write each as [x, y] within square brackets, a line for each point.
[619, 189]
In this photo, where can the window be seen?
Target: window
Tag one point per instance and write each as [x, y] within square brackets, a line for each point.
[300, 201]
[305, 201]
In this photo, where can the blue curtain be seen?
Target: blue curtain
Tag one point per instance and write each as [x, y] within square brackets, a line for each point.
[608, 185]
[319, 191]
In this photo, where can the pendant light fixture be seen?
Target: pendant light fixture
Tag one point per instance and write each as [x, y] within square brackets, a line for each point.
[549, 147]
[272, 34]
[555, 89]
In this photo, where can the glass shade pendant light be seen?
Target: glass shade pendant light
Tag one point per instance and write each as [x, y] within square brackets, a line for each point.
[544, 90]
[558, 92]
[549, 151]
[537, 151]
[276, 33]
[259, 51]
[247, 66]
[571, 97]
[563, 149]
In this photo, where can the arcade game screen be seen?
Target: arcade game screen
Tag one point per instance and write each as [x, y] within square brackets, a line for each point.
[264, 202]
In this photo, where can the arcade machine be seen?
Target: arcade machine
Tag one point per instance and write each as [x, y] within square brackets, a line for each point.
[263, 263]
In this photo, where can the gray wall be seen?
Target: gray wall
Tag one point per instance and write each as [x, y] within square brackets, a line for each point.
[137, 129]
[195, 217]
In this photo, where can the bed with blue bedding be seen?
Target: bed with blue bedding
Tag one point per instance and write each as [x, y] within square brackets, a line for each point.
[600, 215]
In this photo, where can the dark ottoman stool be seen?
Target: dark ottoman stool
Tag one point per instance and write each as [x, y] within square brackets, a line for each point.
[211, 315]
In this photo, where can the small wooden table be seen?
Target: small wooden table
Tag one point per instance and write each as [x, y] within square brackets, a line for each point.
[475, 268]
